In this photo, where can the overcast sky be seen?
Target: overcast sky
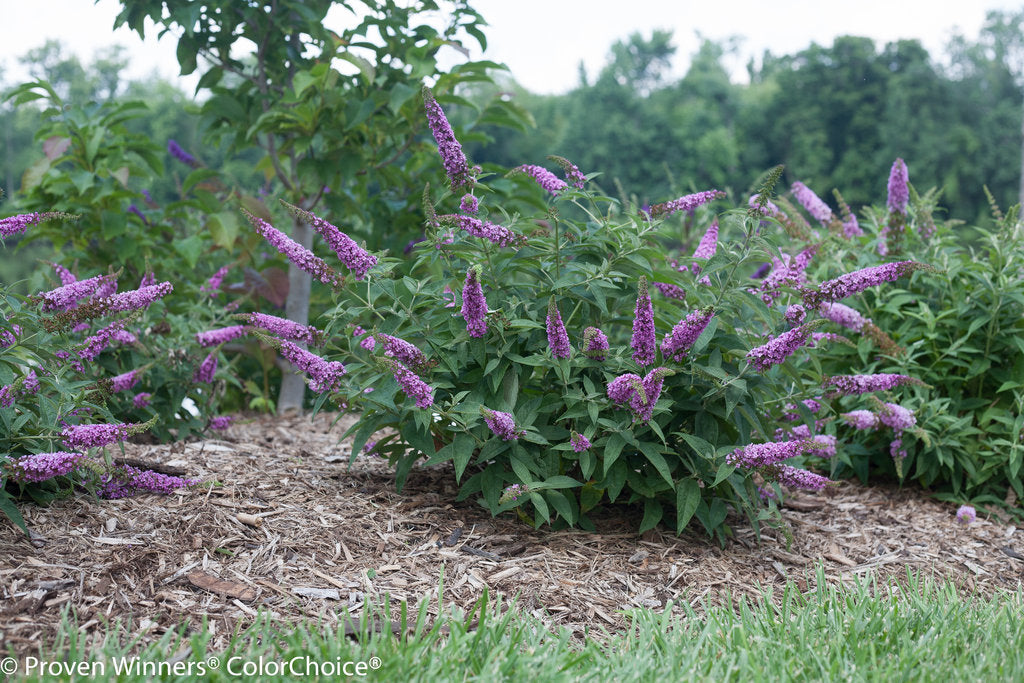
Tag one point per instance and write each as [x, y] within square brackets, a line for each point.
[543, 41]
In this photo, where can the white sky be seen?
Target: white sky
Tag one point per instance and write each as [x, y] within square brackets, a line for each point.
[543, 41]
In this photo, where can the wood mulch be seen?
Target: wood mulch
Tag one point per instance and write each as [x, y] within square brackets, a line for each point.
[294, 531]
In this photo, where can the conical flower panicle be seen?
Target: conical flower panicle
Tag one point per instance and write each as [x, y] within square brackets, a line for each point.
[355, 258]
[686, 203]
[452, 156]
[780, 348]
[678, 342]
[411, 383]
[474, 305]
[303, 258]
[595, 344]
[558, 338]
[856, 282]
[644, 341]
[818, 209]
[545, 178]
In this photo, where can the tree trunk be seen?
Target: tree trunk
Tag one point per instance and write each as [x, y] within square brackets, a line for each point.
[293, 384]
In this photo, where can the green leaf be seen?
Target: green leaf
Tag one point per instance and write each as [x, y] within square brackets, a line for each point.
[653, 455]
[612, 450]
[652, 515]
[563, 506]
[699, 445]
[190, 249]
[11, 511]
[687, 498]
[463, 447]
[560, 481]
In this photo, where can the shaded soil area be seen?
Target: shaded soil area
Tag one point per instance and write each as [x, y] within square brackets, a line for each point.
[294, 531]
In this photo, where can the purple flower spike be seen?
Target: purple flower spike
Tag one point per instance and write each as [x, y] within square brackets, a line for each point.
[303, 258]
[558, 338]
[708, 243]
[770, 453]
[644, 341]
[286, 329]
[595, 344]
[859, 280]
[68, 296]
[125, 480]
[402, 351]
[469, 204]
[491, 232]
[452, 156]
[579, 442]
[813, 203]
[899, 194]
[43, 466]
[623, 387]
[213, 284]
[502, 424]
[545, 178]
[861, 419]
[323, 375]
[778, 349]
[125, 381]
[793, 477]
[671, 291]
[685, 203]
[221, 335]
[65, 275]
[181, 155]
[134, 299]
[474, 305]
[573, 176]
[846, 385]
[355, 258]
[95, 435]
[411, 384]
[141, 400]
[13, 225]
[221, 422]
[678, 342]
[897, 417]
[207, 369]
[843, 315]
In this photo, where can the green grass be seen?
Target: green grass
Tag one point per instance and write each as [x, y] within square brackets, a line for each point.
[919, 631]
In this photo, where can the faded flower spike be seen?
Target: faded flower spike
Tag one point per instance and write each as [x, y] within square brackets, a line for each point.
[678, 342]
[545, 178]
[595, 344]
[502, 424]
[685, 203]
[303, 258]
[474, 305]
[558, 338]
[355, 258]
[452, 156]
[644, 340]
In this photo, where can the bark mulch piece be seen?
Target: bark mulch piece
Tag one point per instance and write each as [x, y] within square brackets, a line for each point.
[291, 530]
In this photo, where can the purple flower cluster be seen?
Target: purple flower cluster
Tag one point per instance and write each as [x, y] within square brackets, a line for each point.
[859, 280]
[474, 305]
[6, 396]
[851, 228]
[513, 493]
[452, 156]
[579, 442]
[135, 299]
[573, 176]
[65, 275]
[468, 204]
[141, 400]
[13, 225]
[43, 466]
[769, 207]
[686, 203]
[502, 424]
[791, 415]
[965, 514]
[813, 203]
[8, 337]
[411, 384]
[213, 284]
[221, 335]
[94, 345]
[899, 193]
[778, 349]
[125, 480]
[846, 385]
[30, 384]
[206, 370]
[125, 381]
[788, 271]
[896, 416]
[180, 154]
[678, 342]
[708, 243]
[671, 291]
[642, 394]
[95, 435]
[770, 453]
[842, 314]
[107, 288]
[793, 477]
[595, 343]
[558, 338]
[402, 351]
[491, 232]
[861, 419]
[287, 329]
[644, 341]
[323, 375]
[795, 314]
[67, 296]
[355, 258]
[303, 258]
[545, 178]
[221, 422]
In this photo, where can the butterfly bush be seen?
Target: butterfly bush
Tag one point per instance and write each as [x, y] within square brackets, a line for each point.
[495, 389]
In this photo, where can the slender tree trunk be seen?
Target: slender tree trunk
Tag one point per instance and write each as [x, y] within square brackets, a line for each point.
[293, 385]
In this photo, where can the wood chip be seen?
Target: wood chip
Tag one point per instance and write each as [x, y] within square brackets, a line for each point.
[318, 593]
[209, 582]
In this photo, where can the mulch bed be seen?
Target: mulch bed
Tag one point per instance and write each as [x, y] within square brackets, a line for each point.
[294, 531]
